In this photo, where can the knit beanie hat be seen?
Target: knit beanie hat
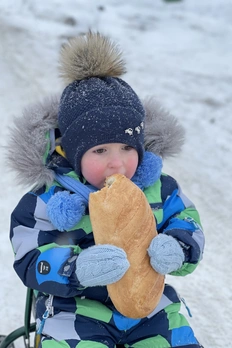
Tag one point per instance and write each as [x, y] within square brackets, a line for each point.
[97, 107]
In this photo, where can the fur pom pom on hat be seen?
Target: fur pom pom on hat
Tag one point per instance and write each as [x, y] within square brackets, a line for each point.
[88, 56]
[97, 107]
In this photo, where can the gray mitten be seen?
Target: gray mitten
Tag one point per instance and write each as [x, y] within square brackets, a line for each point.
[166, 254]
[101, 265]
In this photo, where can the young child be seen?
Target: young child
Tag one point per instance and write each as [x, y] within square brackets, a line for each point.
[66, 148]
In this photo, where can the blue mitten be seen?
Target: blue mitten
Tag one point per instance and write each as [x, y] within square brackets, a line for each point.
[166, 254]
[101, 265]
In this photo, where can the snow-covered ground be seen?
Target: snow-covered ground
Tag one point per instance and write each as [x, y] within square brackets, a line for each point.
[182, 54]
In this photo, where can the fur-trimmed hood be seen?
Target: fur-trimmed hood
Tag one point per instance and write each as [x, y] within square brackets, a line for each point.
[29, 140]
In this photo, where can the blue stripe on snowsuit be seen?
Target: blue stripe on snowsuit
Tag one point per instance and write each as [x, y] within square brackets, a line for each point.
[182, 336]
[48, 265]
[171, 206]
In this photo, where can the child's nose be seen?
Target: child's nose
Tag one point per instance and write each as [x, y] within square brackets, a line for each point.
[115, 161]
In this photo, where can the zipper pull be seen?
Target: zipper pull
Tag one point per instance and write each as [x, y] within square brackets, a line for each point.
[187, 308]
[192, 221]
[47, 313]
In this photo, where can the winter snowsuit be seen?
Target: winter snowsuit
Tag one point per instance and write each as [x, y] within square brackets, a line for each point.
[45, 257]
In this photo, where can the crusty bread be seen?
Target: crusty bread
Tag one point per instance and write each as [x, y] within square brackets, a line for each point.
[121, 216]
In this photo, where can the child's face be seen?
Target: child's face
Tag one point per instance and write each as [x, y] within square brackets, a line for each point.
[104, 160]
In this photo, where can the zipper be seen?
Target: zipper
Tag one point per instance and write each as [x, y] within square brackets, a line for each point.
[48, 313]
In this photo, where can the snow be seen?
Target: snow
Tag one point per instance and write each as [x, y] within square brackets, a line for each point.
[180, 52]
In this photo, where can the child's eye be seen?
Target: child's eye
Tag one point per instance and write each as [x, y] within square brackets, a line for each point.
[99, 151]
[128, 148]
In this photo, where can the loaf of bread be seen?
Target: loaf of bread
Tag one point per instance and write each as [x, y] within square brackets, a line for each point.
[121, 215]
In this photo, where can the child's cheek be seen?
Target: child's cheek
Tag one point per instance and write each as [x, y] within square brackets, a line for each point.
[94, 173]
[132, 165]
